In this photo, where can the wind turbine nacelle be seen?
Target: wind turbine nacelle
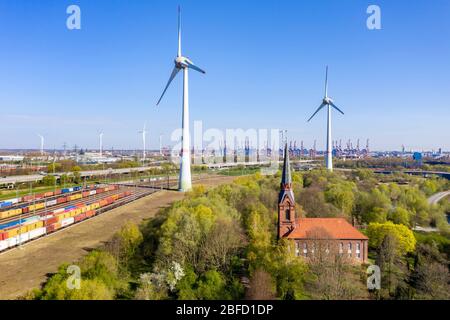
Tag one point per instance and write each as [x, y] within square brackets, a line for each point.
[182, 62]
[327, 100]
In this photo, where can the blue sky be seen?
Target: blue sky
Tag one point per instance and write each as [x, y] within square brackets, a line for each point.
[265, 64]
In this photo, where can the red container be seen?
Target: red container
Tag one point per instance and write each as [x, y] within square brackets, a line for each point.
[26, 210]
[100, 190]
[51, 221]
[90, 213]
[61, 200]
[80, 217]
[28, 198]
[57, 192]
[3, 236]
[80, 205]
[85, 194]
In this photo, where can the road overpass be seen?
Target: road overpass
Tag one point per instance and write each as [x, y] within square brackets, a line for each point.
[441, 174]
[10, 182]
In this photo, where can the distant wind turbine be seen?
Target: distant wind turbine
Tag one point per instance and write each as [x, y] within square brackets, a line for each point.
[42, 143]
[144, 133]
[328, 102]
[183, 63]
[101, 143]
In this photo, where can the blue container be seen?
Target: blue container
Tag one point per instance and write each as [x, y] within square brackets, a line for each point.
[10, 224]
[5, 204]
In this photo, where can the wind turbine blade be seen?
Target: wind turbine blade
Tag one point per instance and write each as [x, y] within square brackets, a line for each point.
[326, 82]
[194, 67]
[172, 76]
[334, 106]
[318, 109]
[179, 31]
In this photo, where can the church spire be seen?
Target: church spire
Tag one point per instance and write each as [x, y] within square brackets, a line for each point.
[286, 201]
[286, 176]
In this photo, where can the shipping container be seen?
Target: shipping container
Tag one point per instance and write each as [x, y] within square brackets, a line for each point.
[37, 232]
[90, 213]
[51, 221]
[66, 222]
[61, 200]
[4, 245]
[51, 203]
[80, 217]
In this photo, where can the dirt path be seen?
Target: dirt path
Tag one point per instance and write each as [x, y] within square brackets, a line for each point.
[24, 269]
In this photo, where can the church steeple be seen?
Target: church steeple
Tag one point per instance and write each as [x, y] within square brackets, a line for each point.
[286, 176]
[286, 201]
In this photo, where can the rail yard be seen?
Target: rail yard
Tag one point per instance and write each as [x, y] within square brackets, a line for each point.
[32, 217]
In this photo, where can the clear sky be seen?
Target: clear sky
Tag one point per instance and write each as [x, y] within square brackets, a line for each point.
[265, 63]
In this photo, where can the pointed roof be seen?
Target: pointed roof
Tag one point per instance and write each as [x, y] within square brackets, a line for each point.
[286, 179]
[286, 176]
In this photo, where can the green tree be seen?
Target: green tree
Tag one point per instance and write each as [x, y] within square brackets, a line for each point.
[400, 216]
[403, 236]
[342, 196]
[76, 174]
[48, 180]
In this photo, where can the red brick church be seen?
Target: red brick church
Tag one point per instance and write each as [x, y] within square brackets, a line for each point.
[309, 232]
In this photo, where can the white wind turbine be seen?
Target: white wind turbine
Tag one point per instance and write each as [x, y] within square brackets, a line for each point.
[183, 63]
[328, 102]
[42, 143]
[100, 135]
[144, 134]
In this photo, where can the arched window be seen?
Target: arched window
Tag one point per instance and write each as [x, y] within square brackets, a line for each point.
[297, 248]
[288, 214]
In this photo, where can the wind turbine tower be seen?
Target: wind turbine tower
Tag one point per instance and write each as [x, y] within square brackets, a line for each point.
[329, 103]
[101, 143]
[144, 134]
[42, 143]
[183, 63]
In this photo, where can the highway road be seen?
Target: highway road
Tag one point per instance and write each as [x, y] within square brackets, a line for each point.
[435, 198]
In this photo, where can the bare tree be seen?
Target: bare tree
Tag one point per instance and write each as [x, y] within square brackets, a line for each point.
[219, 245]
[332, 275]
[261, 286]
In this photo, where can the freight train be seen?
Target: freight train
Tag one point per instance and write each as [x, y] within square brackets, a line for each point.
[39, 196]
[24, 230]
[74, 195]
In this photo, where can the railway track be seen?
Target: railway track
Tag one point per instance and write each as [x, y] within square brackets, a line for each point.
[137, 191]
[88, 200]
[140, 193]
[45, 199]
